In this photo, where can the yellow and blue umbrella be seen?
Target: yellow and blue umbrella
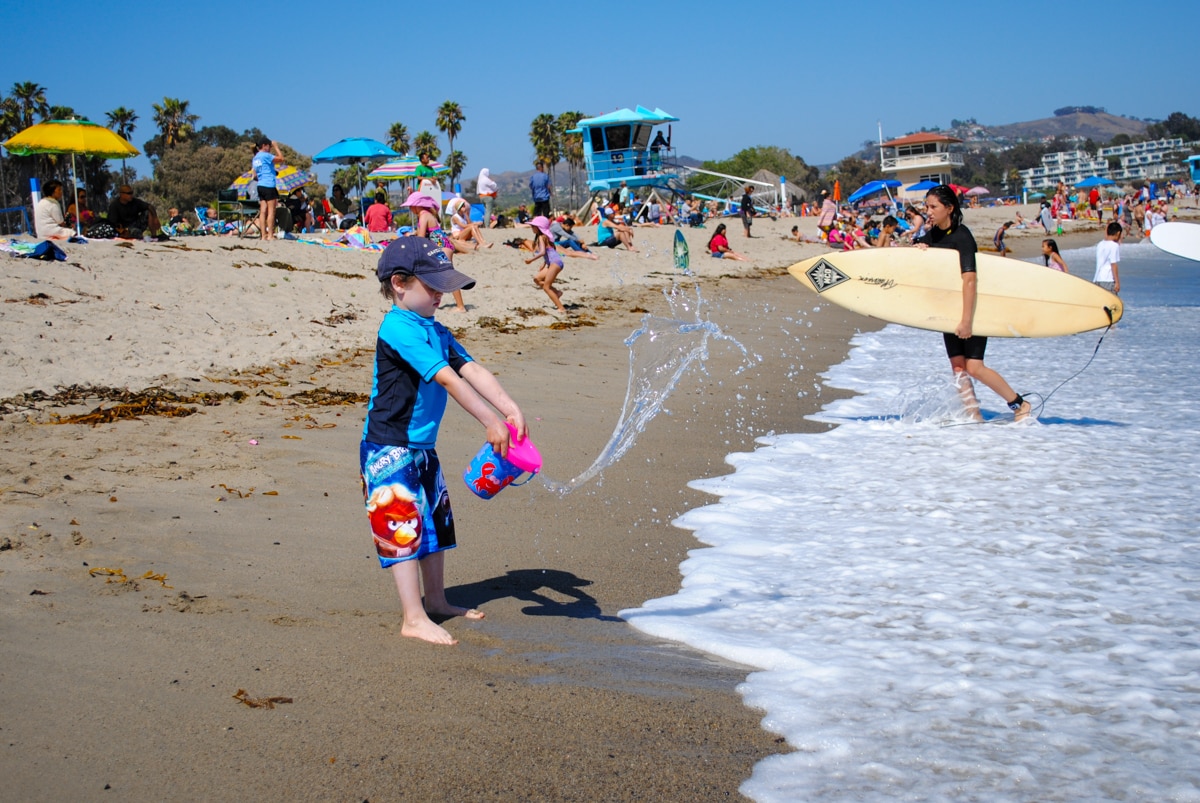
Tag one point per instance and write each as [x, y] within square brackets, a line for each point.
[286, 180]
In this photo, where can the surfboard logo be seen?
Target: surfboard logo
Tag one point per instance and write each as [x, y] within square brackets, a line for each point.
[823, 276]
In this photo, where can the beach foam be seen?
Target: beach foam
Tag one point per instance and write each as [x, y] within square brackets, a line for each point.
[991, 611]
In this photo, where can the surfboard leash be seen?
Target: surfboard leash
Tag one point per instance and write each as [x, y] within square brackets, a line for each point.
[1036, 412]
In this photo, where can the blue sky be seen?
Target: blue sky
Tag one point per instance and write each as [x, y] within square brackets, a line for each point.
[814, 78]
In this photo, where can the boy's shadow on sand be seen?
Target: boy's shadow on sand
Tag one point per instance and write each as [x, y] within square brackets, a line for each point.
[545, 588]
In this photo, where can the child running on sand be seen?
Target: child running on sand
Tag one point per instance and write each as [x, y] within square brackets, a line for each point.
[543, 248]
[418, 363]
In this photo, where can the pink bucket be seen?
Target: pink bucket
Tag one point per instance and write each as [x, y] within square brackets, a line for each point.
[489, 473]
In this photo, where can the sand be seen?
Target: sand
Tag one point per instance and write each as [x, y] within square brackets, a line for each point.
[248, 517]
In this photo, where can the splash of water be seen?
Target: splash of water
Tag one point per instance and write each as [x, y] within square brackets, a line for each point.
[661, 351]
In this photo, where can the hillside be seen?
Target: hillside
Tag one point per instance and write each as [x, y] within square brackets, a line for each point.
[1098, 127]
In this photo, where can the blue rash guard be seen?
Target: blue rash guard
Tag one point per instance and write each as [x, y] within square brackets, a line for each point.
[406, 405]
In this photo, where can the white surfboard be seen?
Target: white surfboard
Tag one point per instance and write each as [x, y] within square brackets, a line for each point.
[1180, 239]
[923, 289]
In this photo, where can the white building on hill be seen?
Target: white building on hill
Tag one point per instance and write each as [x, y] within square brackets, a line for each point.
[1139, 160]
[1147, 160]
[1069, 167]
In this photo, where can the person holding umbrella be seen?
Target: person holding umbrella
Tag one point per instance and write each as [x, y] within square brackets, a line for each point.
[265, 167]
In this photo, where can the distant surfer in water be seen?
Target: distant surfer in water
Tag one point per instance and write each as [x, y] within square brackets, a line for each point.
[944, 229]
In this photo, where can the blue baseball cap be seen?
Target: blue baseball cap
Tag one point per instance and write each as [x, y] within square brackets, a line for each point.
[417, 256]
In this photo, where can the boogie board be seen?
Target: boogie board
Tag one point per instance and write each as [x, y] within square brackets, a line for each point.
[923, 289]
[682, 260]
[1180, 239]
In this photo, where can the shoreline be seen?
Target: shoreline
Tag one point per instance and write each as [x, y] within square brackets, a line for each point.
[251, 512]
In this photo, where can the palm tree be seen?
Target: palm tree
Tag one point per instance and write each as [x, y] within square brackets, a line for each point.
[175, 123]
[572, 145]
[426, 142]
[397, 138]
[456, 161]
[123, 121]
[450, 118]
[545, 136]
[31, 100]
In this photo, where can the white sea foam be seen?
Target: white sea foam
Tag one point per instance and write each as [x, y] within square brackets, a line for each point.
[972, 612]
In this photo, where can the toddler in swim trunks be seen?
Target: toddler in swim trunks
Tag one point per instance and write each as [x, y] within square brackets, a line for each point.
[418, 365]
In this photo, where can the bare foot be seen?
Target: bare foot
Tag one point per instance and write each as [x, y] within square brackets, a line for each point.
[473, 614]
[428, 631]
[1022, 412]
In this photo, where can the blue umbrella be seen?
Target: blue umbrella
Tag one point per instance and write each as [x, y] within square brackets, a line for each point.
[353, 150]
[921, 186]
[870, 188]
[1094, 181]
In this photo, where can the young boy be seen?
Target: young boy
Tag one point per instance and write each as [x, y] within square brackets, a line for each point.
[417, 364]
[1108, 257]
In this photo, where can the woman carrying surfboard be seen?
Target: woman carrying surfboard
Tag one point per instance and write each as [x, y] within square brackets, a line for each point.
[944, 229]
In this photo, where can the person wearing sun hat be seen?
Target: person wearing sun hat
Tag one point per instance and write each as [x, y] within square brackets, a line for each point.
[466, 234]
[428, 225]
[419, 365]
[543, 248]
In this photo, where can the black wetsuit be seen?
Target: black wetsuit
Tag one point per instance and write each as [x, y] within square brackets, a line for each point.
[960, 239]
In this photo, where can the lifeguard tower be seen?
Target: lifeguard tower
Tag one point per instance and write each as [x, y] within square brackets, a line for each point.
[1193, 163]
[623, 146]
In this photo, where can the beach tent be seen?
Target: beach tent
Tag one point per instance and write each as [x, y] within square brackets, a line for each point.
[872, 187]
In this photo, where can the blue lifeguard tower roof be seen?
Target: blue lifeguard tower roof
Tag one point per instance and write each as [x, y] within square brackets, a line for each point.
[618, 147]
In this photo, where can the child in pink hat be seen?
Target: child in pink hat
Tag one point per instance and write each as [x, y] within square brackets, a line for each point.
[552, 265]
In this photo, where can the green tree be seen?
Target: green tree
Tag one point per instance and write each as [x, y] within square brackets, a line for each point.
[853, 172]
[397, 138]
[123, 121]
[31, 101]
[450, 118]
[1177, 124]
[426, 143]
[779, 161]
[175, 122]
[545, 136]
[572, 145]
[457, 162]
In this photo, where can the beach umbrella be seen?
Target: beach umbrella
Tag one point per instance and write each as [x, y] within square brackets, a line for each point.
[1036, 195]
[1094, 181]
[353, 150]
[922, 186]
[958, 189]
[979, 191]
[70, 136]
[870, 188]
[286, 180]
[404, 167]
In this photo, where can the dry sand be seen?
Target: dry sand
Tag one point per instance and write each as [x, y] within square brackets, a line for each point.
[268, 580]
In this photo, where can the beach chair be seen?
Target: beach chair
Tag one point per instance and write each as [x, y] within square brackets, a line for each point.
[240, 213]
[205, 226]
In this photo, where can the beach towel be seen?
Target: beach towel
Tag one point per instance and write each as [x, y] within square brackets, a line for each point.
[45, 250]
[355, 238]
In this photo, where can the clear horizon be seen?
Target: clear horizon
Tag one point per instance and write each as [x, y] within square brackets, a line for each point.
[778, 75]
